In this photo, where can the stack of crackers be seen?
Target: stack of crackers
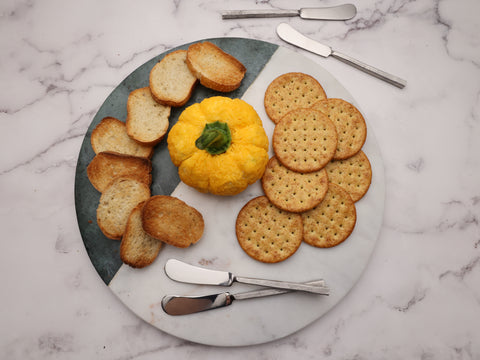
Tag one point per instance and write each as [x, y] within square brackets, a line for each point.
[317, 174]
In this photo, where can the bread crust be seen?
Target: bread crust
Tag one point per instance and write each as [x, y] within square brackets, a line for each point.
[111, 135]
[138, 249]
[107, 166]
[172, 221]
[147, 120]
[214, 68]
[171, 82]
[117, 202]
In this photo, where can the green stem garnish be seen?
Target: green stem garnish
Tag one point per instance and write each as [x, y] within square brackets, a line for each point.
[215, 138]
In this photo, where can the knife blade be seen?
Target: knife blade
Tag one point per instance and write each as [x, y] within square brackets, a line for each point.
[292, 36]
[184, 305]
[340, 12]
[183, 272]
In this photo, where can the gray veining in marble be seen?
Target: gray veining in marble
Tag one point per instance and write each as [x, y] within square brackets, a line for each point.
[419, 297]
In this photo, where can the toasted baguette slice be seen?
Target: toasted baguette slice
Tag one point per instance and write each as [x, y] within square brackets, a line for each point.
[111, 135]
[214, 68]
[172, 221]
[171, 82]
[117, 202]
[147, 120]
[107, 166]
[138, 249]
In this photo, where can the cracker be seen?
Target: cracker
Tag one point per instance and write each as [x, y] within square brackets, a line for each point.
[353, 174]
[291, 91]
[267, 233]
[293, 191]
[172, 221]
[350, 124]
[331, 222]
[305, 140]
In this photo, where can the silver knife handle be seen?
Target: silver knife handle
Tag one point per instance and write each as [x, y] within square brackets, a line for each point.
[244, 14]
[316, 289]
[382, 75]
[273, 291]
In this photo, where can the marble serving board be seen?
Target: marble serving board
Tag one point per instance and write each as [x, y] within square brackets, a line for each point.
[244, 322]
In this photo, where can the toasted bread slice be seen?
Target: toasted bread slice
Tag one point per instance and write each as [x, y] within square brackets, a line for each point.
[147, 120]
[215, 68]
[172, 221]
[111, 135]
[117, 202]
[171, 82]
[138, 249]
[107, 166]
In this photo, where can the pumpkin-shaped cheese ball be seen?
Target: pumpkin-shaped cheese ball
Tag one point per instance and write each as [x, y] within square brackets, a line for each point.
[219, 146]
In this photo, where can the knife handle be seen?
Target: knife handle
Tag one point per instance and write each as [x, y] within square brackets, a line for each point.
[316, 289]
[382, 75]
[244, 14]
[273, 291]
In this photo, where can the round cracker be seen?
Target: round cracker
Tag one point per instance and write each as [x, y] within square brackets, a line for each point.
[305, 140]
[293, 191]
[267, 233]
[291, 91]
[353, 174]
[350, 124]
[332, 221]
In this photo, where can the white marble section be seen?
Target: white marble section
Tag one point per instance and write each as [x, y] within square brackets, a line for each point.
[419, 296]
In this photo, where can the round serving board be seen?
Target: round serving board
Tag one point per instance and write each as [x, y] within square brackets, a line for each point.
[245, 322]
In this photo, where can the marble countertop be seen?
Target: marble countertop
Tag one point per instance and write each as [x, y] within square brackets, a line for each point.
[419, 297]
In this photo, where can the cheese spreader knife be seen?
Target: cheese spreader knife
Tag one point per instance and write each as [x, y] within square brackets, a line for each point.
[183, 305]
[183, 272]
[340, 12]
[292, 36]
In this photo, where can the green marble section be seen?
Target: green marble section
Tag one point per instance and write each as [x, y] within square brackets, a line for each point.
[104, 252]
